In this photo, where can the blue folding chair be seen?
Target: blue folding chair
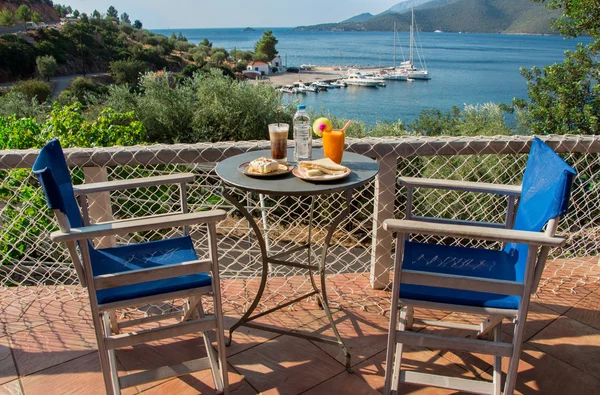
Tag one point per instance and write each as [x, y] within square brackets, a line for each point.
[496, 283]
[138, 274]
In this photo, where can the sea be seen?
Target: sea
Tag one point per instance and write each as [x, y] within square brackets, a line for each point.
[465, 69]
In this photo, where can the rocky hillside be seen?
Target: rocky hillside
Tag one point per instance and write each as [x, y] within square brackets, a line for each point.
[44, 8]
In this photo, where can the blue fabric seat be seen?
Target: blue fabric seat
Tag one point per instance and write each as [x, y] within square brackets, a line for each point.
[55, 178]
[545, 192]
[461, 261]
[142, 256]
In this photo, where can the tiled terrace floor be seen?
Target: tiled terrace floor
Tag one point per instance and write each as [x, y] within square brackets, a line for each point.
[47, 347]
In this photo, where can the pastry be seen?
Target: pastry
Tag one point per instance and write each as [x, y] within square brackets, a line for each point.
[263, 165]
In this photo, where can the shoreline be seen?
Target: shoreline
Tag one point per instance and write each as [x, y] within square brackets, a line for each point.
[323, 73]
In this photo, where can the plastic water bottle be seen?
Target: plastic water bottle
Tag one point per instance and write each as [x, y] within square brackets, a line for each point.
[302, 135]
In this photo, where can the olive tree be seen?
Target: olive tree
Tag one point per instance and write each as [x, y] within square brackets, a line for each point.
[46, 66]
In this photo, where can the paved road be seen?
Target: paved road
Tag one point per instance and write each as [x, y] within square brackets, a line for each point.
[60, 83]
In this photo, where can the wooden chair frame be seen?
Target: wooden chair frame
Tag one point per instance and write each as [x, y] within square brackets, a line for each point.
[401, 324]
[109, 332]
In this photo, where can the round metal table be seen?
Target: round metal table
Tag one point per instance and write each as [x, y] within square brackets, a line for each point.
[363, 169]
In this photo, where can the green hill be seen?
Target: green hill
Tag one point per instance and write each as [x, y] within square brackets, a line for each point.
[472, 16]
[359, 18]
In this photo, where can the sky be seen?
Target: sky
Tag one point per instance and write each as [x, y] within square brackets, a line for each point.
[156, 14]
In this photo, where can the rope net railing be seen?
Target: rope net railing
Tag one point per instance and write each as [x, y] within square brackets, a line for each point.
[34, 267]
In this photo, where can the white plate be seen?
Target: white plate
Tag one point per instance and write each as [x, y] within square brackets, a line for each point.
[300, 173]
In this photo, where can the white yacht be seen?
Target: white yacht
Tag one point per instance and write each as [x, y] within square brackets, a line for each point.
[339, 84]
[360, 80]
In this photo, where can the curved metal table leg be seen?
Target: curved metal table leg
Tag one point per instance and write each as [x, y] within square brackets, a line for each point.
[323, 294]
[263, 255]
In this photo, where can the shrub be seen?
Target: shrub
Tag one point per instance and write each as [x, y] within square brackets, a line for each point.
[82, 88]
[17, 56]
[46, 66]
[231, 110]
[166, 109]
[189, 70]
[18, 104]
[34, 89]
[127, 71]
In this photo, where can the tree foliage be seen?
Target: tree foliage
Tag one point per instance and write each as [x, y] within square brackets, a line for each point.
[565, 97]
[125, 18]
[112, 13]
[46, 66]
[137, 24]
[23, 13]
[7, 18]
[266, 45]
[35, 17]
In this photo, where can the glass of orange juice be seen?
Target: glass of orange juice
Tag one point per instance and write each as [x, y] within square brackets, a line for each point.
[333, 144]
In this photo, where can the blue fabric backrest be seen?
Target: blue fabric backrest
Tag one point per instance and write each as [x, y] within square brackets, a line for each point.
[545, 190]
[53, 173]
[545, 193]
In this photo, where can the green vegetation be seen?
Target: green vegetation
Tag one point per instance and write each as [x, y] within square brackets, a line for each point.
[565, 97]
[33, 89]
[473, 16]
[265, 47]
[23, 13]
[46, 66]
[7, 18]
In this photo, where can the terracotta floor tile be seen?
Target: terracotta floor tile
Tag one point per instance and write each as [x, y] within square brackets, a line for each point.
[587, 310]
[160, 353]
[201, 382]
[572, 342]
[78, 376]
[51, 344]
[285, 365]
[8, 371]
[243, 337]
[11, 388]
[364, 334]
[538, 317]
[540, 373]
[343, 383]
[565, 282]
[57, 310]
[373, 370]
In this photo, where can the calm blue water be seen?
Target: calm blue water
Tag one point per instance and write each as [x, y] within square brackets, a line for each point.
[464, 68]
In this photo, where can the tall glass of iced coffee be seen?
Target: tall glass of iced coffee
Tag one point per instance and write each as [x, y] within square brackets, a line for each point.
[278, 134]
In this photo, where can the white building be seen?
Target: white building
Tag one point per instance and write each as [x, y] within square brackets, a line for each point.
[276, 62]
[262, 67]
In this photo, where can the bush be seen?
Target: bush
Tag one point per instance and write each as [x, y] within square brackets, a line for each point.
[189, 70]
[127, 71]
[231, 110]
[166, 109]
[34, 89]
[18, 104]
[46, 66]
[82, 88]
[17, 56]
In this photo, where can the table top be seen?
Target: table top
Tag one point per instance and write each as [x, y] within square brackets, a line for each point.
[363, 170]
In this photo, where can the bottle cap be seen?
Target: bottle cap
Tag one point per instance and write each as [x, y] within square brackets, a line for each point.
[301, 107]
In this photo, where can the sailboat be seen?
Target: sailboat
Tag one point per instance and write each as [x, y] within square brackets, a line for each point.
[414, 73]
[397, 74]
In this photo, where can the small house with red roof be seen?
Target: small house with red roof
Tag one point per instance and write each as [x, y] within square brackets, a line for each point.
[261, 67]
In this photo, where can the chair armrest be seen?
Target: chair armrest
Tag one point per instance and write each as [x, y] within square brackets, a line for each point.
[84, 189]
[139, 225]
[468, 186]
[472, 232]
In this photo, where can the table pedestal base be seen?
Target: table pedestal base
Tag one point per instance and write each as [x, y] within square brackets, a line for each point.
[247, 318]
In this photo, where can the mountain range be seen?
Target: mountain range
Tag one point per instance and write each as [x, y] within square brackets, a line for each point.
[468, 16]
